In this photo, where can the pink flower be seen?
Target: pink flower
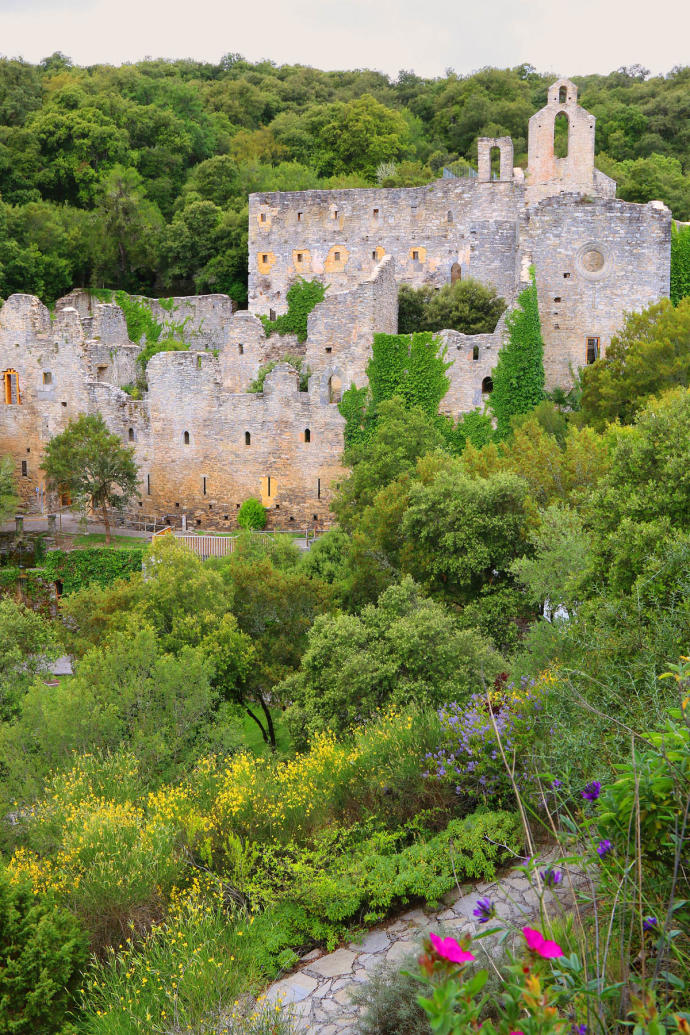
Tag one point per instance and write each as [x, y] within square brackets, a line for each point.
[450, 950]
[517, 1033]
[536, 942]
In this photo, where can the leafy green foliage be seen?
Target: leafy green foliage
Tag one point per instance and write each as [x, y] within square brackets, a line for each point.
[301, 297]
[297, 362]
[43, 952]
[252, 514]
[518, 378]
[8, 493]
[680, 262]
[91, 464]
[27, 644]
[466, 306]
[152, 349]
[649, 355]
[79, 568]
[404, 648]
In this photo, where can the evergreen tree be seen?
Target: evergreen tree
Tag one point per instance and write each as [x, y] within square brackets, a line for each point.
[518, 378]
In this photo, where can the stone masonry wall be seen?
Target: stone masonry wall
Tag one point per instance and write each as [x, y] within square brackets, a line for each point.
[595, 260]
[340, 236]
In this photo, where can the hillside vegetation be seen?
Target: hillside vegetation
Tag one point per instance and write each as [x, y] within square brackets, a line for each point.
[137, 177]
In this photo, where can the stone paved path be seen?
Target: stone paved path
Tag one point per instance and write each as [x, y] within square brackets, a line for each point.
[319, 991]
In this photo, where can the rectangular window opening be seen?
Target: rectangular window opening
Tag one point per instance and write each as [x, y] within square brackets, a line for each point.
[592, 350]
[336, 256]
[204, 485]
[148, 484]
[318, 488]
[566, 276]
[25, 469]
[376, 213]
[299, 256]
[415, 256]
[299, 217]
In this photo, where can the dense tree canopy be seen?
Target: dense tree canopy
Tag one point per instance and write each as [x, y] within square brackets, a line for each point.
[137, 177]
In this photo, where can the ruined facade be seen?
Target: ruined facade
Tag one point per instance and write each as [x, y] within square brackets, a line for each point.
[203, 443]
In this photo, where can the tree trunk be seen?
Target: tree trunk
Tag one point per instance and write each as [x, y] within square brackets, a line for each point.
[106, 522]
[258, 722]
[269, 722]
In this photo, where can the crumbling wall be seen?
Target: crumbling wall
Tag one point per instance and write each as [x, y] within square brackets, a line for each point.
[341, 328]
[340, 236]
[595, 260]
[473, 357]
[247, 349]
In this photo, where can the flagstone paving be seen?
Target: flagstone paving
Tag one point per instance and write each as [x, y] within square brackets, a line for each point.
[318, 993]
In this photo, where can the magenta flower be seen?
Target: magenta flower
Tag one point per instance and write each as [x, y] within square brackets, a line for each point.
[536, 942]
[591, 791]
[449, 949]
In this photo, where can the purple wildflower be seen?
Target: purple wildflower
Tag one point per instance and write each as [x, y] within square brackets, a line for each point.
[484, 910]
[555, 784]
[551, 877]
[649, 923]
[592, 791]
[579, 1029]
[603, 848]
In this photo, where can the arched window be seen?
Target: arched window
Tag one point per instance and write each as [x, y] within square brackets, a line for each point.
[247, 439]
[455, 273]
[11, 382]
[130, 434]
[562, 95]
[307, 435]
[335, 389]
[561, 127]
[487, 386]
[185, 438]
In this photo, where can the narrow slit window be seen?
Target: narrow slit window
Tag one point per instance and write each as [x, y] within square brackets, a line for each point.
[272, 315]
[299, 256]
[299, 217]
[203, 485]
[307, 435]
[415, 256]
[247, 439]
[148, 484]
[185, 438]
[130, 434]
[592, 350]
[376, 213]
[47, 377]
[475, 353]
[240, 349]
[336, 256]
[318, 488]
[25, 469]
[263, 217]
[373, 255]
[335, 213]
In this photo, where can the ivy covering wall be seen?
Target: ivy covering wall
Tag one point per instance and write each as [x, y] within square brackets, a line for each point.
[80, 568]
[411, 366]
[518, 378]
[680, 262]
[301, 297]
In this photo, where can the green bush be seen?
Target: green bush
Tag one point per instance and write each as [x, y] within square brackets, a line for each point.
[252, 514]
[466, 306]
[42, 950]
[80, 568]
[301, 299]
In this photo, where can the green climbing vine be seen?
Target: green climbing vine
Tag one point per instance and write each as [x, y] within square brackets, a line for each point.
[518, 378]
[297, 362]
[680, 262]
[412, 366]
[301, 299]
[78, 568]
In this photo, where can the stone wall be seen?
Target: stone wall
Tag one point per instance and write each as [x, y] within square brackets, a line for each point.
[340, 236]
[595, 260]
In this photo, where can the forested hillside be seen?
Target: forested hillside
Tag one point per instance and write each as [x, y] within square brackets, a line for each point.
[137, 177]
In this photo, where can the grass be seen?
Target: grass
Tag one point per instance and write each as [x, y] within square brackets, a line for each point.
[118, 542]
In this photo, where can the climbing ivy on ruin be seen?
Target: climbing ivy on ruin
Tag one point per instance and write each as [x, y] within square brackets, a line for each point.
[411, 366]
[301, 299]
[297, 362]
[78, 568]
[680, 262]
[518, 378]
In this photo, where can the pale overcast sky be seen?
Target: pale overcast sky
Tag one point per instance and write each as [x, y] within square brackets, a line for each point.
[427, 36]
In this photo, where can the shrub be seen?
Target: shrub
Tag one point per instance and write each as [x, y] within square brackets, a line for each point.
[302, 296]
[42, 949]
[466, 306]
[251, 514]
